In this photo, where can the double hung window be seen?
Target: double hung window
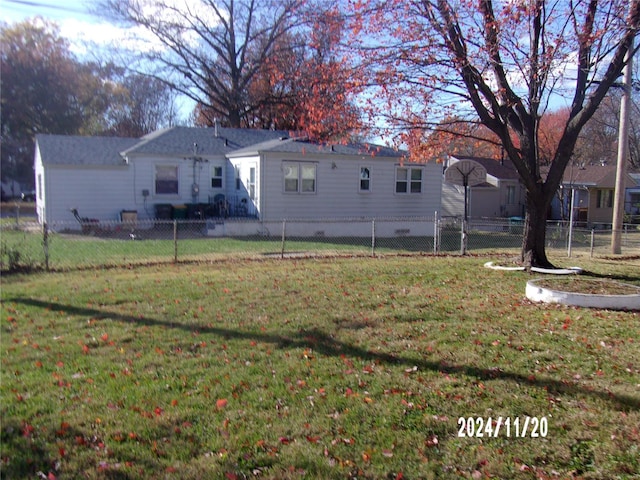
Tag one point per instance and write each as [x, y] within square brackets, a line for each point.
[299, 177]
[166, 180]
[409, 179]
[365, 179]
[216, 176]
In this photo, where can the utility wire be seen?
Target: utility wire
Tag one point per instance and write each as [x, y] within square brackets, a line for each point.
[44, 5]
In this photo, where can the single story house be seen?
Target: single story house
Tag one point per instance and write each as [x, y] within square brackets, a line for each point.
[593, 186]
[228, 173]
[632, 198]
[502, 195]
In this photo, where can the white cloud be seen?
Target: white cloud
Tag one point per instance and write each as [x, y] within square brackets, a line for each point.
[84, 36]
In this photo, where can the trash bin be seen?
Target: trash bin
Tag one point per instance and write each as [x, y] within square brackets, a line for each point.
[180, 212]
[515, 225]
[163, 211]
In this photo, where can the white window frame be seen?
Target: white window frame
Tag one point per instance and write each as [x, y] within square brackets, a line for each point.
[176, 168]
[409, 180]
[511, 195]
[294, 181]
[217, 178]
[361, 179]
[251, 182]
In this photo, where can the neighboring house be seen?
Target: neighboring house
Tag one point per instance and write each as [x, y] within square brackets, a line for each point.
[11, 189]
[593, 187]
[226, 173]
[502, 195]
[632, 200]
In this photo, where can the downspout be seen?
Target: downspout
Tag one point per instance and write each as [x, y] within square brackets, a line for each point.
[261, 197]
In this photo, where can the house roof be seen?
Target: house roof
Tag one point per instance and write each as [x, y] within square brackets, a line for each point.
[303, 146]
[209, 141]
[181, 141]
[500, 169]
[598, 175]
[77, 150]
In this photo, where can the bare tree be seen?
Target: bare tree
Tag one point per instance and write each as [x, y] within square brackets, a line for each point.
[138, 104]
[209, 50]
[599, 139]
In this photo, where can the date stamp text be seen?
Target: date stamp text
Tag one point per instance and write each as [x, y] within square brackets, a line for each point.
[516, 427]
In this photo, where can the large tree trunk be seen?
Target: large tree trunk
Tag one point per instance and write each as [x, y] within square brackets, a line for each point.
[535, 231]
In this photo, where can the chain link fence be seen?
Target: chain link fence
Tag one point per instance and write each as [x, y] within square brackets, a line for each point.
[27, 245]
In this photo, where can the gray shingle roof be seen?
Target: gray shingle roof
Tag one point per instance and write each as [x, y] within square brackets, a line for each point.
[77, 150]
[179, 141]
[303, 146]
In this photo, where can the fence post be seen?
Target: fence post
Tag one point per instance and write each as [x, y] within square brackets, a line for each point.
[373, 237]
[175, 241]
[45, 244]
[593, 235]
[463, 238]
[284, 230]
[435, 234]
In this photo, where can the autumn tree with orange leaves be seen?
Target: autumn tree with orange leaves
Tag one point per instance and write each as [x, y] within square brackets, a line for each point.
[499, 63]
[455, 137]
[309, 89]
[248, 63]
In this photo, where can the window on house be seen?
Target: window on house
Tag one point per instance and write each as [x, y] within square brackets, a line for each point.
[166, 180]
[365, 179]
[238, 182]
[605, 198]
[299, 177]
[40, 186]
[308, 174]
[216, 177]
[511, 195]
[252, 183]
[408, 180]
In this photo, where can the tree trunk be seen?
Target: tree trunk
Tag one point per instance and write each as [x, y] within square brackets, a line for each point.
[535, 231]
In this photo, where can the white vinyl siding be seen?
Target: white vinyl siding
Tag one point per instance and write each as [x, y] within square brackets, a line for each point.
[97, 192]
[337, 189]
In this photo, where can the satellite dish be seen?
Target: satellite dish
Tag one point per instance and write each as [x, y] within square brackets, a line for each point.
[465, 173]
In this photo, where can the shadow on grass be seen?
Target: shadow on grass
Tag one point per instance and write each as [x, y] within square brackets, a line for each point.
[633, 279]
[324, 343]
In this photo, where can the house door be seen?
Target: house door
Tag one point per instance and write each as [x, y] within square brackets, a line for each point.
[252, 188]
[251, 182]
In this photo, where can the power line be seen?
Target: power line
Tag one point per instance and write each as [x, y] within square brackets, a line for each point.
[44, 5]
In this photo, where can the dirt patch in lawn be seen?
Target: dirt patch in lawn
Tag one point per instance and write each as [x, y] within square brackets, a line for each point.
[587, 286]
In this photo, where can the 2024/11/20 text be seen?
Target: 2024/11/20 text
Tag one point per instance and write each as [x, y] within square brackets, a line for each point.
[531, 427]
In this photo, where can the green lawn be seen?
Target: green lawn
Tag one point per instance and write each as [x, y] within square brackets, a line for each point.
[23, 250]
[326, 368]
